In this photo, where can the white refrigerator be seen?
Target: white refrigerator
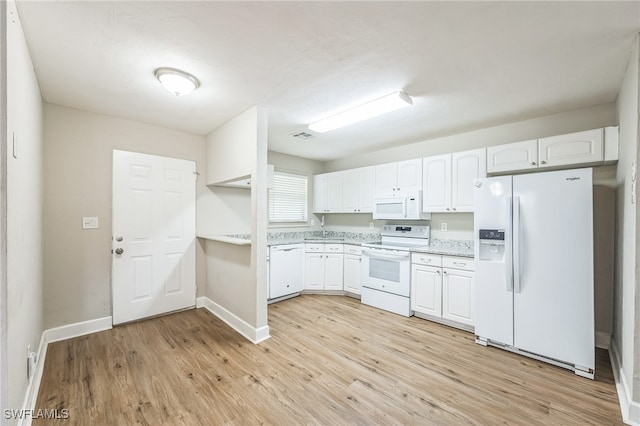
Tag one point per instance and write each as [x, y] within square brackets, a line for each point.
[534, 266]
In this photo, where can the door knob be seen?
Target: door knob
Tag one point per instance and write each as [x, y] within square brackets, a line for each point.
[119, 251]
[118, 238]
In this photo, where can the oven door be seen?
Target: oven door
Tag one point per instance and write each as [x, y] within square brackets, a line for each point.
[386, 270]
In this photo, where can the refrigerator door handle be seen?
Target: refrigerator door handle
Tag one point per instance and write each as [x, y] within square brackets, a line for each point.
[508, 266]
[516, 244]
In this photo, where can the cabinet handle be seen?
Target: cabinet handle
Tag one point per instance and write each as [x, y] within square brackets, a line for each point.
[438, 272]
[533, 163]
[454, 209]
[448, 209]
[459, 263]
[444, 272]
[543, 162]
[425, 260]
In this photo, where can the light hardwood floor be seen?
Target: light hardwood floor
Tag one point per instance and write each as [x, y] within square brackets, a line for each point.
[330, 361]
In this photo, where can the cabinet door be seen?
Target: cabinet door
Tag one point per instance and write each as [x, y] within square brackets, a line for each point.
[350, 191]
[574, 148]
[334, 193]
[465, 168]
[409, 175]
[458, 296]
[320, 193]
[436, 187]
[314, 271]
[366, 188]
[352, 273]
[386, 179]
[426, 290]
[333, 271]
[513, 156]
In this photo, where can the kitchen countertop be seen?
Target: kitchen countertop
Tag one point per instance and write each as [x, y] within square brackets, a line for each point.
[460, 248]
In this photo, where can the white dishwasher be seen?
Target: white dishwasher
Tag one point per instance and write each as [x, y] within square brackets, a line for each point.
[286, 273]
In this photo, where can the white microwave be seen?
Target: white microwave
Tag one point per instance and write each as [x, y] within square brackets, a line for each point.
[399, 207]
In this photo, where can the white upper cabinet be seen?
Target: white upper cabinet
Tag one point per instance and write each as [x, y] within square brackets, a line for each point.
[436, 185]
[448, 180]
[513, 156]
[574, 148]
[327, 193]
[358, 187]
[595, 146]
[401, 177]
[466, 167]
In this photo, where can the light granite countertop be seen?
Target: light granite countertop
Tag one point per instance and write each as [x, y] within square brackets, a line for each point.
[461, 248]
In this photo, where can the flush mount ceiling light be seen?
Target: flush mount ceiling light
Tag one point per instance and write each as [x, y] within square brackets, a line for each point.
[362, 112]
[177, 82]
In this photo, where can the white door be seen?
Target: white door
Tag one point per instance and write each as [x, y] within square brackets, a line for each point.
[553, 265]
[334, 192]
[513, 156]
[465, 169]
[366, 188]
[410, 175]
[314, 271]
[493, 316]
[426, 291]
[320, 183]
[436, 196]
[153, 267]
[352, 273]
[386, 179]
[333, 271]
[457, 296]
[350, 191]
[574, 148]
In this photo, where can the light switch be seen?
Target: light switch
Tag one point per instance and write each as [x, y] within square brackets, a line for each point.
[89, 222]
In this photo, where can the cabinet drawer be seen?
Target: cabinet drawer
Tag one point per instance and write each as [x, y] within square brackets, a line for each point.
[426, 259]
[355, 250]
[454, 262]
[314, 248]
[333, 248]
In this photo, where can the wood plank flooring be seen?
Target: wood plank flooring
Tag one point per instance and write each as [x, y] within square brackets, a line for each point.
[330, 361]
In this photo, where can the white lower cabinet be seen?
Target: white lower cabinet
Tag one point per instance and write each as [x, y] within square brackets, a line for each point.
[323, 267]
[443, 287]
[352, 269]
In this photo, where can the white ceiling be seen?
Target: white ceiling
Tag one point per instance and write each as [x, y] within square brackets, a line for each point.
[467, 65]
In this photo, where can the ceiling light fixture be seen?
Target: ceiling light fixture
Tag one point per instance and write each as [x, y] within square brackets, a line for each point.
[362, 112]
[176, 81]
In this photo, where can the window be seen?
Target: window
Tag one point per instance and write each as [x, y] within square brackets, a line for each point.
[288, 198]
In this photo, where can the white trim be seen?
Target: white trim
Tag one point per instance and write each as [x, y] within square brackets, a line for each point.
[77, 329]
[630, 409]
[51, 335]
[254, 335]
[603, 340]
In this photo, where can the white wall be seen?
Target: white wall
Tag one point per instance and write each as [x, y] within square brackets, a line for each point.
[625, 319]
[78, 170]
[236, 275]
[24, 209]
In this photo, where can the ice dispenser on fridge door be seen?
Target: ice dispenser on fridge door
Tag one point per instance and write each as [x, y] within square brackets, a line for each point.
[491, 245]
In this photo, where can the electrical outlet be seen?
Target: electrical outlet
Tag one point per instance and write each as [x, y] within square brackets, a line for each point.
[443, 226]
[370, 225]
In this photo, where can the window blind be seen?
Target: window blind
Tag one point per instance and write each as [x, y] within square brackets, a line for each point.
[288, 198]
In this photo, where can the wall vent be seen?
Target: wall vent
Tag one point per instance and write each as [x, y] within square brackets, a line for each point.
[302, 135]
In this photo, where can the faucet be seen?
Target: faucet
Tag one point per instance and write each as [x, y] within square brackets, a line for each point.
[324, 231]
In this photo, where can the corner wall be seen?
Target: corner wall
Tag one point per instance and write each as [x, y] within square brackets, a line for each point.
[24, 210]
[625, 319]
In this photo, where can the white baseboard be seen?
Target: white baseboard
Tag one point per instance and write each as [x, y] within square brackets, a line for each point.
[603, 340]
[254, 335]
[49, 336]
[630, 409]
[70, 331]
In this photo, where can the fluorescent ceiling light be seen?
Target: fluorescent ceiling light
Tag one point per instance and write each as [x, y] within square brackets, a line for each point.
[362, 112]
[177, 82]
